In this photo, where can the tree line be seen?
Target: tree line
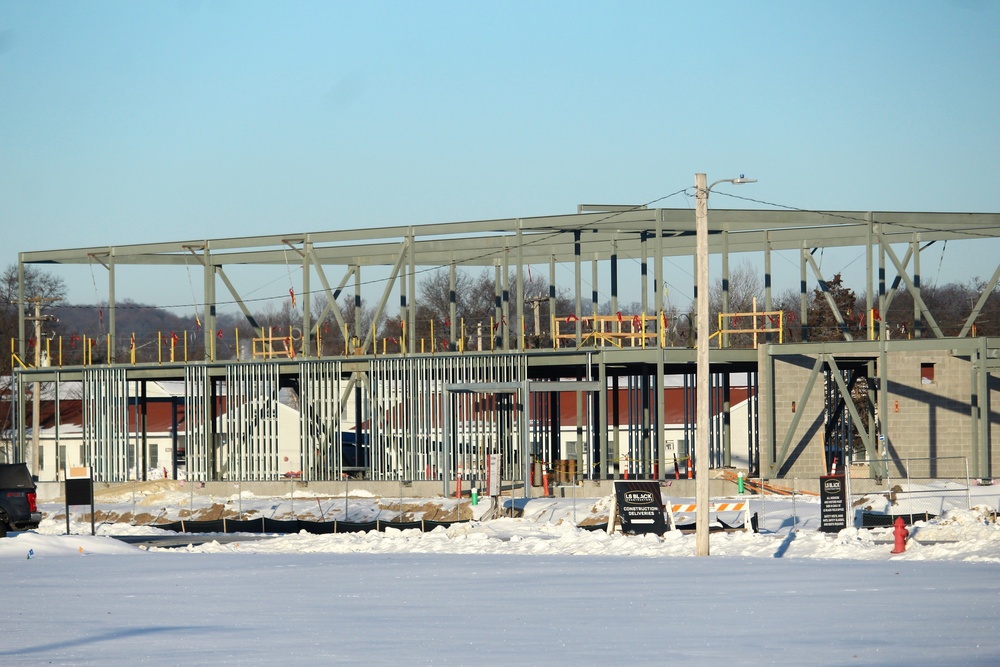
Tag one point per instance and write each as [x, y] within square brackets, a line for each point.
[950, 304]
[147, 331]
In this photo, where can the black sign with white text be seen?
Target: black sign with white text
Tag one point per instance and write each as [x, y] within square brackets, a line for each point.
[639, 507]
[833, 503]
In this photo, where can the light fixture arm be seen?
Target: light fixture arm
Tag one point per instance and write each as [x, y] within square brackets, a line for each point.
[739, 180]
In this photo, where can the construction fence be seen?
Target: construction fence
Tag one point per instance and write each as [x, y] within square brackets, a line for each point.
[918, 489]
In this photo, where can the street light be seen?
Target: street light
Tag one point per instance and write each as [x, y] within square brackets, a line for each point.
[701, 462]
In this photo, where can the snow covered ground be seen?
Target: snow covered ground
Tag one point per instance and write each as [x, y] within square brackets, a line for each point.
[531, 590]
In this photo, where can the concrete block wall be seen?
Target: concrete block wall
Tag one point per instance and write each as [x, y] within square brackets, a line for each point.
[928, 418]
[933, 419]
[922, 418]
[791, 375]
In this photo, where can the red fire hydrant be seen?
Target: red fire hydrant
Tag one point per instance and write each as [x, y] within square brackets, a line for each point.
[900, 533]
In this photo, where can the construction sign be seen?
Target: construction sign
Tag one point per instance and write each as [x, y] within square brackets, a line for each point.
[833, 503]
[639, 507]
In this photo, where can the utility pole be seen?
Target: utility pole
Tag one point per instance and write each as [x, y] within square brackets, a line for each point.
[703, 414]
[36, 391]
[703, 399]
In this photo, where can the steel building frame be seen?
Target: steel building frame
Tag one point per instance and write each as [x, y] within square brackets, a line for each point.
[597, 235]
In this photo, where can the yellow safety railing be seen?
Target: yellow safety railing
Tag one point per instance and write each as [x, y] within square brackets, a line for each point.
[618, 330]
[762, 322]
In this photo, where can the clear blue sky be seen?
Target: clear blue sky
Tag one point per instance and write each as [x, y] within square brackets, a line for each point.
[132, 122]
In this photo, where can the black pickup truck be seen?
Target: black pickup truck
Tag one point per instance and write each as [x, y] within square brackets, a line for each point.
[18, 502]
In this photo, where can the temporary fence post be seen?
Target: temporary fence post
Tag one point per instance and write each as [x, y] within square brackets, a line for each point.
[850, 492]
[763, 502]
[574, 503]
[968, 488]
[795, 513]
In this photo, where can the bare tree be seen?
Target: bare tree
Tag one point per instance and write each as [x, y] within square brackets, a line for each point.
[476, 301]
[352, 312]
[39, 287]
[788, 302]
[950, 304]
[746, 289]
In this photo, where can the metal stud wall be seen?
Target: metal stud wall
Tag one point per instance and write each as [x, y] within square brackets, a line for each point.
[546, 437]
[406, 426]
[643, 414]
[320, 390]
[105, 424]
[382, 418]
[198, 422]
[250, 450]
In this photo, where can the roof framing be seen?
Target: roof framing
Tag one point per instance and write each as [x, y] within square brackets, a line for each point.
[480, 243]
[596, 234]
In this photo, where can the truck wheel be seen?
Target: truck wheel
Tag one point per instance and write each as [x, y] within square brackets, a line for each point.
[3, 526]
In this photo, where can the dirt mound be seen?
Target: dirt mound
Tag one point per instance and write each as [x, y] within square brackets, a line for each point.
[428, 511]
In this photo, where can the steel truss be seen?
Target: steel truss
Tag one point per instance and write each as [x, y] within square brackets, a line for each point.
[598, 236]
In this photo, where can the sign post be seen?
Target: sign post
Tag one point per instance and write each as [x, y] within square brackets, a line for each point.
[80, 491]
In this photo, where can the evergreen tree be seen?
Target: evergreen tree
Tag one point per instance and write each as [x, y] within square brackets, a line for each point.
[823, 325]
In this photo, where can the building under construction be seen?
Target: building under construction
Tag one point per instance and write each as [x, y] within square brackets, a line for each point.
[599, 395]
